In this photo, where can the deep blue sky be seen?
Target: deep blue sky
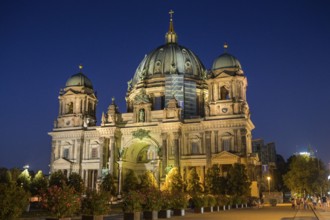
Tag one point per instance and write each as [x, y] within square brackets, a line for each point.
[283, 46]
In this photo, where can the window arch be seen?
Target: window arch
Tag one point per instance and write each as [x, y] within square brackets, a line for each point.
[224, 93]
[226, 142]
[195, 144]
[66, 153]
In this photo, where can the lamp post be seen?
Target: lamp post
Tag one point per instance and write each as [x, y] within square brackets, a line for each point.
[268, 179]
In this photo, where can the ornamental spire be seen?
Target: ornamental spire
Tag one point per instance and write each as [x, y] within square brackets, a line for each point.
[225, 47]
[171, 36]
[80, 67]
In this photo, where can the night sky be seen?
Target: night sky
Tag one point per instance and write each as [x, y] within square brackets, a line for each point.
[283, 46]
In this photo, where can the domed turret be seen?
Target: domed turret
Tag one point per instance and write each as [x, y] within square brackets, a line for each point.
[79, 79]
[77, 103]
[226, 60]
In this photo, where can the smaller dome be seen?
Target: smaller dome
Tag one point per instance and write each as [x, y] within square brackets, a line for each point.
[79, 79]
[226, 60]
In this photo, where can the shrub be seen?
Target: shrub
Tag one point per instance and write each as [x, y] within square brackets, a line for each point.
[166, 199]
[273, 202]
[180, 200]
[95, 203]
[152, 200]
[133, 201]
[61, 201]
[211, 200]
[198, 201]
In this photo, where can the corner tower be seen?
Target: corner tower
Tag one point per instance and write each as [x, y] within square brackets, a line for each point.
[77, 103]
[227, 86]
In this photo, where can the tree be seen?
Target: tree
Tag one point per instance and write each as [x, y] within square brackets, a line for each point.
[108, 184]
[5, 175]
[238, 183]
[15, 172]
[76, 182]
[13, 200]
[194, 186]
[148, 181]
[131, 181]
[24, 180]
[306, 175]
[57, 179]
[39, 183]
[173, 181]
[214, 182]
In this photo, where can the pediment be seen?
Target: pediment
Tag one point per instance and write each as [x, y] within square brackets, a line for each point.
[223, 74]
[93, 96]
[225, 157]
[70, 92]
[62, 163]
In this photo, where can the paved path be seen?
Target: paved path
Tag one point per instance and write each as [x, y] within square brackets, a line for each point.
[282, 212]
[323, 214]
[267, 213]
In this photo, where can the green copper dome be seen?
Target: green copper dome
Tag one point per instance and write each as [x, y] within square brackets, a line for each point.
[170, 58]
[226, 60]
[79, 79]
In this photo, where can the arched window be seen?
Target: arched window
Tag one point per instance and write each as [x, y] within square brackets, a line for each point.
[94, 153]
[152, 153]
[195, 144]
[194, 148]
[66, 153]
[69, 108]
[224, 93]
[226, 142]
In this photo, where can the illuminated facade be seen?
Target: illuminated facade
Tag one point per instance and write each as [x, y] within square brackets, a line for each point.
[179, 114]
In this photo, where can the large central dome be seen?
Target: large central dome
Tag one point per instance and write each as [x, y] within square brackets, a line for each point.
[169, 71]
[170, 58]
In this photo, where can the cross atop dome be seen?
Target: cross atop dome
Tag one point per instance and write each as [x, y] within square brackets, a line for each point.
[225, 47]
[171, 36]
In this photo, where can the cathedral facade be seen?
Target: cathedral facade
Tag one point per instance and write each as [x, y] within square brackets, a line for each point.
[179, 114]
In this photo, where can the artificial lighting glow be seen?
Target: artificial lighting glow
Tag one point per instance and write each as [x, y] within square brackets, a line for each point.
[26, 166]
[305, 153]
[268, 178]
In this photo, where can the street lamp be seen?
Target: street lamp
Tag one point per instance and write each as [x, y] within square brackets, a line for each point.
[268, 178]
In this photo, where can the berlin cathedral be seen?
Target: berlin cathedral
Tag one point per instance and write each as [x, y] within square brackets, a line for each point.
[179, 114]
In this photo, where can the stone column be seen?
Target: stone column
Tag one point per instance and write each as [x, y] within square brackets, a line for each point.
[208, 148]
[112, 154]
[236, 141]
[243, 141]
[212, 142]
[211, 92]
[120, 167]
[216, 92]
[176, 145]
[164, 152]
[202, 147]
[216, 142]
[101, 153]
